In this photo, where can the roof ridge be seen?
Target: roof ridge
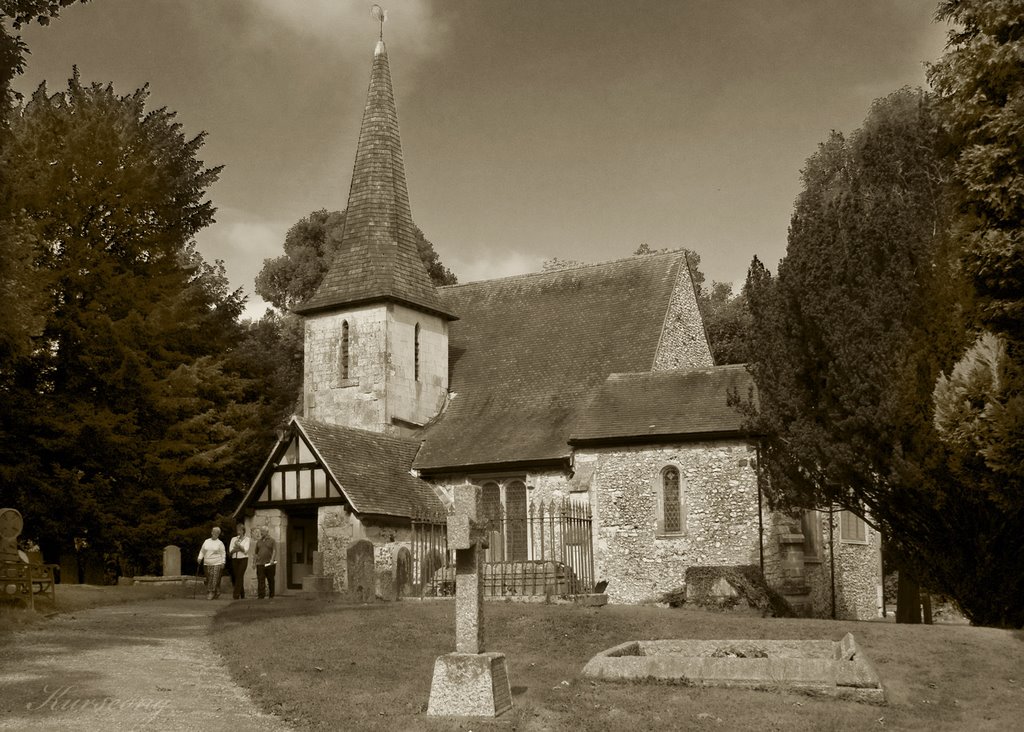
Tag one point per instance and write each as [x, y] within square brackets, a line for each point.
[582, 265]
[358, 430]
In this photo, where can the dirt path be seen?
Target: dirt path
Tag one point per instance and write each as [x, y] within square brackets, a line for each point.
[143, 666]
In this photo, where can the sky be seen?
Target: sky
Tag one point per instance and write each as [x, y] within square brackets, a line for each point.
[530, 130]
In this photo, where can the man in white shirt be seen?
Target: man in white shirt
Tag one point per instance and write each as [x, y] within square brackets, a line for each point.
[239, 553]
[212, 557]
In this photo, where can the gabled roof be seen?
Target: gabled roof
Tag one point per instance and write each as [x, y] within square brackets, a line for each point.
[372, 469]
[665, 404]
[528, 349]
[378, 258]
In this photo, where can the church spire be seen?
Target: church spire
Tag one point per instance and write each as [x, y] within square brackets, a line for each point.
[378, 258]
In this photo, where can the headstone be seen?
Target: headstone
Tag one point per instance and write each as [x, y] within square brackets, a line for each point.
[469, 682]
[403, 572]
[172, 561]
[361, 578]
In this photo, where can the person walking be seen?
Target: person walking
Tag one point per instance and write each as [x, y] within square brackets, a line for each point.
[238, 551]
[212, 556]
[266, 564]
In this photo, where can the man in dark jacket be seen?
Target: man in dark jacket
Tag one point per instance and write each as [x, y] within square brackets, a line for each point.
[266, 564]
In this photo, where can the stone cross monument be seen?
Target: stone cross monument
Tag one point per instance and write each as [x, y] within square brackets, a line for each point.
[469, 682]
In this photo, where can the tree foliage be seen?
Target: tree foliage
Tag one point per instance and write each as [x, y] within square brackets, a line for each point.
[867, 310]
[309, 249]
[131, 418]
[980, 405]
[980, 83]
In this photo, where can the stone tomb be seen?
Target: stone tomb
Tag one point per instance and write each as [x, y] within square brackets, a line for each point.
[830, 668]
[469, 682]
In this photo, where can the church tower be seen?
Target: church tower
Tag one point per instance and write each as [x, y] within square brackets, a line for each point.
[376, 330]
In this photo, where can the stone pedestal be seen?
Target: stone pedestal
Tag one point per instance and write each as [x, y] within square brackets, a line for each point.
[470, 685]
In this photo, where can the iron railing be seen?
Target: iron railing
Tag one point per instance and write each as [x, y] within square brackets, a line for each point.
[548, 550]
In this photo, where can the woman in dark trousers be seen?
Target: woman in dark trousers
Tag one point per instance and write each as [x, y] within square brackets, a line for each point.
[239, 554]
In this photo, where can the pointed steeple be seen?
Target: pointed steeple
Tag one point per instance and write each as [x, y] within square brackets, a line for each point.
[378, 259]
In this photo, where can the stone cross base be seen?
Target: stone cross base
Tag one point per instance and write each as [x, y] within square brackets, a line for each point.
[470, 685]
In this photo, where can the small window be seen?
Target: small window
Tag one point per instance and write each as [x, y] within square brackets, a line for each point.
[343, 356]
[852, 528]
[416, 353]
[671, 503]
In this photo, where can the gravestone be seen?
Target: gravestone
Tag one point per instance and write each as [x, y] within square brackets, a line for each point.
[469, 682]
[361, 576]
[172, 561]
[403, 573]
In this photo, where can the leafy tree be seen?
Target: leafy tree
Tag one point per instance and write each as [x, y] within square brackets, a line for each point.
[309, 249]
[126, 422]
[865, 313]
[727, 321]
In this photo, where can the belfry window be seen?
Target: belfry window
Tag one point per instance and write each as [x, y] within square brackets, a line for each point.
[343, 355]
[416, 353]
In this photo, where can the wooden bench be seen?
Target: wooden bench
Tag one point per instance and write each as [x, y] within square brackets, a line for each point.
[22, 580]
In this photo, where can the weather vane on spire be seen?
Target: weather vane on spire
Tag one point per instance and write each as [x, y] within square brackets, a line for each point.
[380, 15]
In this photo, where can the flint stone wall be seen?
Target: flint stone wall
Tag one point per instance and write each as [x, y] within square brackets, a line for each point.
[719, 485]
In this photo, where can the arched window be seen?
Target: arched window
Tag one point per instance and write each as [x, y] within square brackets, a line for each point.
[343, 355]
[416, 353]
[671, 502]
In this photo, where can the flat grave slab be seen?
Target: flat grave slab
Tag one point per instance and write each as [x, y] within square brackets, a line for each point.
[830, 668]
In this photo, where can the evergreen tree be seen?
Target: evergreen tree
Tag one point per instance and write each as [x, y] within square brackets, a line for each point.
[867, 310]
[129, 415]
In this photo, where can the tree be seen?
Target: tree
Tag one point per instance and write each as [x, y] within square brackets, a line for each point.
[124, 422]
[20, 291]
[728, 322]
[980, 405]
[309, 249]
[867, 310]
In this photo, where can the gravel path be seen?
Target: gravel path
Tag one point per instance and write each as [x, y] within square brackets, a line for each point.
[143, 666]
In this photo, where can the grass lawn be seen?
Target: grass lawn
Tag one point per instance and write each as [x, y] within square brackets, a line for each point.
[330, 665]
[14, 615]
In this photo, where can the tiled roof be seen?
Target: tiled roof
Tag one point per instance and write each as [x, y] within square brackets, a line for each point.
[664, 404]
[377, 258]
[529, 349]
[373, 469]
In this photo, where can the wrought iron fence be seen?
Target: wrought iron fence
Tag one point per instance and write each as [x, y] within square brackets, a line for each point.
[547, 550]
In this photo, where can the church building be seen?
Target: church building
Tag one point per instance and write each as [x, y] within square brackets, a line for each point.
[584, 402]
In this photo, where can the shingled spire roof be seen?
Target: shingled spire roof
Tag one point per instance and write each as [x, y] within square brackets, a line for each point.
[378, 258]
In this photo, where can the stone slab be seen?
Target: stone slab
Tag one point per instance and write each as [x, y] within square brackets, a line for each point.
[837, 669]
[470, 685]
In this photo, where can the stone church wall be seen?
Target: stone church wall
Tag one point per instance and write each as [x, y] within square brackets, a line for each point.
[719, 485]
